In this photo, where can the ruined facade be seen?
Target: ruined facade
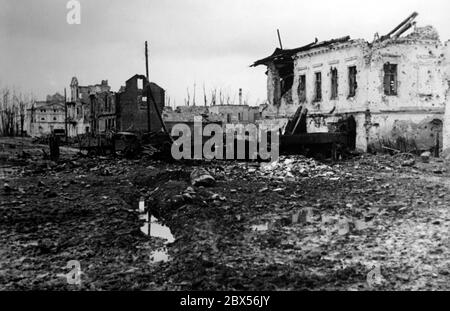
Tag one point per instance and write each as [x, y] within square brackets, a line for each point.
[91, 108]
[392, 89]
[131, 108]
[45, 117]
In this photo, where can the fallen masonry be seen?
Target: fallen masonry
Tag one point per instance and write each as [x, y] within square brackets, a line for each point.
[297, 219]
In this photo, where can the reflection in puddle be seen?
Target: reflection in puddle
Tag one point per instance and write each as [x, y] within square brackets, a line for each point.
[262, 227]
[159, 256]
[156, 229]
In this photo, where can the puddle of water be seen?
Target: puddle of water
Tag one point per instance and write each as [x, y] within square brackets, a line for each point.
[156, 229]
[261, 227]
[159, 256]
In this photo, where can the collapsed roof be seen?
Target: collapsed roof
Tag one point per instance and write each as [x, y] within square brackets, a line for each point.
[284, 56]
[280, 55]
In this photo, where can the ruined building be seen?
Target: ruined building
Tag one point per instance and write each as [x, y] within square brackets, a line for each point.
[389, 90]
[91, 109]
[132, 105]
[46, 117]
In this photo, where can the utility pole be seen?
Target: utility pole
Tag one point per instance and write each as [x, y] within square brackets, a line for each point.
[148, 86]
[65, 112]
[279, 39]
[150, 96]
[146, 59]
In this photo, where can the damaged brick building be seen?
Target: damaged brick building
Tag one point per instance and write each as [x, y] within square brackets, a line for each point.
[394, 88]
[132, 112]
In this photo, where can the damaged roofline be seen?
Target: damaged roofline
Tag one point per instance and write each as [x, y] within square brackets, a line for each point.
[280, 55]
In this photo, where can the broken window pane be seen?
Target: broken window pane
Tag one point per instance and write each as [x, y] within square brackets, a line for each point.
[318, 90]
[353, 84]
[390, 79]
[302, 89]
[334, 83]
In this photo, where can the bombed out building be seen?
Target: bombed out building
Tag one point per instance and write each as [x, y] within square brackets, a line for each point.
[389, 90]
[131, 109]
[91, 108]
[45, 117]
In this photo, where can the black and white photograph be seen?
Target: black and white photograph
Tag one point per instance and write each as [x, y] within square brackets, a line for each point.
[243, 147]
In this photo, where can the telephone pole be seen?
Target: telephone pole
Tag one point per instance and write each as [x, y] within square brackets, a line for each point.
[148, 86]
[65, 113]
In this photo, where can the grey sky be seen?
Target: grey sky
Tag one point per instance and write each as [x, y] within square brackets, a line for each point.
[201, 41]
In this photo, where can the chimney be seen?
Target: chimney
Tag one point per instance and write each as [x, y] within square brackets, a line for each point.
[240, 96]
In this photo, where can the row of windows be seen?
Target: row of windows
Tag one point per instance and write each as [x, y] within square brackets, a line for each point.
[390, 83]
[109, 124]
[45, 110]
[43, 119]
[240, 117]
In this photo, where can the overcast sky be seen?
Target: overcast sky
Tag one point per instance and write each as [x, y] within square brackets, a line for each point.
[190, 41]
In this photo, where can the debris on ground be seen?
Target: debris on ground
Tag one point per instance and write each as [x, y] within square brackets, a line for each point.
[293, 224]
[201, 177]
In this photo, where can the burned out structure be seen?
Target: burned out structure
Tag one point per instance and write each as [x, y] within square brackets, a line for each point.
[132, 105]
[392, 89]
[47, 117]
[91, 109]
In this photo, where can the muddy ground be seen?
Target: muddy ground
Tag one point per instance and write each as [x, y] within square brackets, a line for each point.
[367, 223]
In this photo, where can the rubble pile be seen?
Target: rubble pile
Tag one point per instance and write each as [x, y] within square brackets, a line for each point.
[235, 225]
[293, 167]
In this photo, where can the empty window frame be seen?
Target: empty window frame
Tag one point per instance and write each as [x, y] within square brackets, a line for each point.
[140, 84]
[390, 79]
[318, 87]
[301, 90]
[334, 83]
[352, 83]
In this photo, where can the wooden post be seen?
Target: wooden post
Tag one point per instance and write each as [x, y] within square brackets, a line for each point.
[54, 147]
[148, 87]
[146, 59]
[436, 147]
[65, 112]
[149, 217]
[279, 39]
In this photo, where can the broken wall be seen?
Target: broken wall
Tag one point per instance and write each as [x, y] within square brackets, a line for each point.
[132, 107]
[421, 89]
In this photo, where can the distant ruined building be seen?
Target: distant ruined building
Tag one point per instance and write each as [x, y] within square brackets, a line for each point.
[91, 109]
[393, 89]
[44, 117]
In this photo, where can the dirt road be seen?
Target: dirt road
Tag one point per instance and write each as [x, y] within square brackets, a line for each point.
[362, 224]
